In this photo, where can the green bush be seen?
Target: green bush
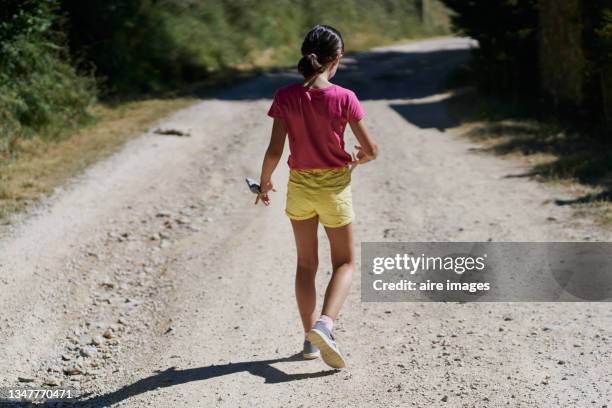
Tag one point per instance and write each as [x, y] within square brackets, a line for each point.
[149, 45]
[40, 92]
[25, 17]
[126, 41]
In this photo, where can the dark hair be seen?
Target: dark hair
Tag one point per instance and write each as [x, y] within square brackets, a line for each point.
[321, 46]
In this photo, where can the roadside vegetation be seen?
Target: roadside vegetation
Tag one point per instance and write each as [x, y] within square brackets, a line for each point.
[543, 81]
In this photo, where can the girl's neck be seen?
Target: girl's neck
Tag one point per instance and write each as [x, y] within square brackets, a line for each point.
[320, 81]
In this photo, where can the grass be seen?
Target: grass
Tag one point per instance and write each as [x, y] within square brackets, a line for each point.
[38, 167]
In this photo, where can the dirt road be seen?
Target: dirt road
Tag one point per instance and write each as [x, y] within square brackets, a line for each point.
[152, 280]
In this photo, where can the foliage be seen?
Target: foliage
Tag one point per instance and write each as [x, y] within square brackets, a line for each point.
[507, 33]
[148, 45]
[38, 87]
[24, 17]
[573, 64]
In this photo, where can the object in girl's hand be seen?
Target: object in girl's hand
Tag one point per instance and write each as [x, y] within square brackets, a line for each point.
[253, 186]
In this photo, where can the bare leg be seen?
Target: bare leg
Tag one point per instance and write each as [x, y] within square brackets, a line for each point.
[342, 257]
[305, 233]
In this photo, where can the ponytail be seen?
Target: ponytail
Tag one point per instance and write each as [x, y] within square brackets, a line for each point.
[309, 66]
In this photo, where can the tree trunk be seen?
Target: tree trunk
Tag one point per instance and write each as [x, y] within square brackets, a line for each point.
[606, 92]
[561, 59]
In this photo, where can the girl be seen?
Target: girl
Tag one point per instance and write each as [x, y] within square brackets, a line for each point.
[314, 114]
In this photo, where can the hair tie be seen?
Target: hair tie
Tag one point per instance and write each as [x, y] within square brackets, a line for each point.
[312, 54]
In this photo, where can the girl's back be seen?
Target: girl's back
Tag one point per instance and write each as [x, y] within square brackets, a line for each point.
[315, 119]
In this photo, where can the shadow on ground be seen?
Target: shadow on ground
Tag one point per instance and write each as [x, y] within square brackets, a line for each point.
[380, 75]
[428, 115]
[172, 377]
[403, 78]
[569, 152]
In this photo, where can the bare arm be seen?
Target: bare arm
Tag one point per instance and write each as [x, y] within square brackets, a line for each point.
[367, 149]
[271, 159]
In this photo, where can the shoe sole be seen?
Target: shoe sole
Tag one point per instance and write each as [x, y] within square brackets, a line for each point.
[331, 357]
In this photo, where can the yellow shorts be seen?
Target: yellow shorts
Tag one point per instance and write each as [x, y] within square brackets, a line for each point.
[321, 192]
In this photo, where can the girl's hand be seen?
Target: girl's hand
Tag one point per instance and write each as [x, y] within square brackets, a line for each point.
[265, 188]
[359, 157]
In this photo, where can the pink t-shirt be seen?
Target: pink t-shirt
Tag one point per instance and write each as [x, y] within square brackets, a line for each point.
[315, 119]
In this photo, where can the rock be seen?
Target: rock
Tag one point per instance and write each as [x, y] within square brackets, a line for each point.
[51, 381]
[119, 237]
[183, 220]
[108, 333]
[84, 340]
[107, 284]
[172, 132]
[122, 321]
[72, 347]
[97, 340]
[154, 237]
[88, 351]
[73, 370]
[66, 357]
[444, 398]
[163, 214]
[25, 379]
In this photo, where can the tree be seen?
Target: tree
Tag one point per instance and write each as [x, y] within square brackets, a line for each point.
[507, 33]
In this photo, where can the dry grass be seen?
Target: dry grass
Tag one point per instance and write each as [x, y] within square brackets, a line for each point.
[38, 167]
